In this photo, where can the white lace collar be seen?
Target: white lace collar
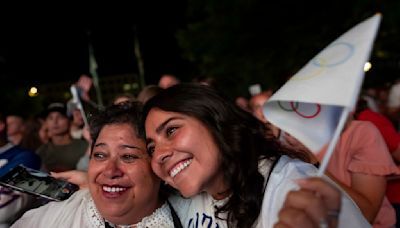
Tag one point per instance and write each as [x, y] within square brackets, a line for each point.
[160, 218]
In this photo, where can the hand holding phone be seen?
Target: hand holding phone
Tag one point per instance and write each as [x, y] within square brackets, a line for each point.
[37, 183]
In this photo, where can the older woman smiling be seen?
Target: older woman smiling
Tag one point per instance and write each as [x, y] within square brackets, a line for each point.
[123, 190]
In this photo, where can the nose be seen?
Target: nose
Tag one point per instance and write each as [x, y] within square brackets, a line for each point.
[162, 153]
[112, 170]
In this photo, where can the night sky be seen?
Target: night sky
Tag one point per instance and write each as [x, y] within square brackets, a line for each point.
[40, 45]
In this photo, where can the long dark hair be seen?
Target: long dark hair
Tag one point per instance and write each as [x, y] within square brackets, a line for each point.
[241, 141]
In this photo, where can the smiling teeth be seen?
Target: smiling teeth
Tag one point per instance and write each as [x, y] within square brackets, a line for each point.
[113, 189]
[180, 167]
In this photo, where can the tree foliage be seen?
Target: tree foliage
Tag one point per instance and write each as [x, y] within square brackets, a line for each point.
[243, 42]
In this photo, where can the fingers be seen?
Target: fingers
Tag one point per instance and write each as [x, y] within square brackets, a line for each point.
[329, 194]
[307, 202]
[291, 217]
[74, 176]
[62, 175]
[316, 203]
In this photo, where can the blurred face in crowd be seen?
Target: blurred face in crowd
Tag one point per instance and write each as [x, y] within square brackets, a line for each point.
[256, 105]
[57, 124]
[44, 132]
[77, 117]
[15, 125]
[167, 81]
[179, 157]
[121, 181]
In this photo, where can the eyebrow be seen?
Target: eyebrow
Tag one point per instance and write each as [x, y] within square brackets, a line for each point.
[121, 146]
[160, 128]
[131, 147]
[99, 144]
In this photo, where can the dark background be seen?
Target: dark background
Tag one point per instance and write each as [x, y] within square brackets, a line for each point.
[237, 42]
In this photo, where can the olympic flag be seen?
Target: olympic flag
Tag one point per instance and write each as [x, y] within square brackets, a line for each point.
[315, 102]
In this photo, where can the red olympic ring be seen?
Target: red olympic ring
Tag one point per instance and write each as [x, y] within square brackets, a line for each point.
[295, 109]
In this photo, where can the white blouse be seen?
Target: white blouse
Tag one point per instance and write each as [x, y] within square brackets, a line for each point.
[80, 211]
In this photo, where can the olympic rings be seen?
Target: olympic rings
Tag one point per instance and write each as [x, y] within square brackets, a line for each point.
[288, 109]
[346, 48]
[294, 107]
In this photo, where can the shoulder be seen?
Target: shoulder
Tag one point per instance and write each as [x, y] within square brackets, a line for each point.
[179, 203]
[281, 181]
[54, 214]
[285, 171]
[25, 152]
[17, 155]
[292, 168]
[187, 208]
[43, 148]
[79, 143]
[360, 126]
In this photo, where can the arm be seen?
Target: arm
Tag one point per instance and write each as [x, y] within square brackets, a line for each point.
[367, 191]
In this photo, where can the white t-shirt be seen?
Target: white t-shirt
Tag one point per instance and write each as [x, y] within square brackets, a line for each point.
[199, 211]
[79, 211]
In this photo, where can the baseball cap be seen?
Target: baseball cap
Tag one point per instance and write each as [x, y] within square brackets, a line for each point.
[56, 107]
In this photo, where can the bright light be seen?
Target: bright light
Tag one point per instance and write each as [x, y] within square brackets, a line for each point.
[33, 92]
[126, 87]
[367, 66]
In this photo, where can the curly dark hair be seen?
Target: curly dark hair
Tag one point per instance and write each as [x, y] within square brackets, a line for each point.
[240, 137]
[123, 113]
[127, 112]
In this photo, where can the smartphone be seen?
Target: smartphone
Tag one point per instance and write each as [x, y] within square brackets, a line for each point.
[37, 183]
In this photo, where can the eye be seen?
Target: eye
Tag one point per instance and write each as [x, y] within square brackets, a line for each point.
[170, 130]
[129, 157]
[99, 156]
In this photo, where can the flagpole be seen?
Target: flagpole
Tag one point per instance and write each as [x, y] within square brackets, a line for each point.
[139, 58]
[77, 101]
[332, 144]
[93, 72]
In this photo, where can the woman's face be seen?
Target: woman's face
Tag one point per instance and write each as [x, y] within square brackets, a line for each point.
[184, 153]
[121, 182]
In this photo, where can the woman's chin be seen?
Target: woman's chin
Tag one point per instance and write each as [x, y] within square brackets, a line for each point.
[188, 192]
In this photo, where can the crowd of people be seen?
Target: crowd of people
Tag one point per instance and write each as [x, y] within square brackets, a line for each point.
[185, 155]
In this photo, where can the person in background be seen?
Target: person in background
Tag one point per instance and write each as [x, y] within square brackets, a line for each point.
[392, 139]
[148, 92]
[15, 128]
[77, 123]
[123, 98]
[13, 203]
[62, 152]
[31, 139]
[243, 103]
[168, 80]
[123, 190]
[218, 157]
[256, 107]
[44, 134]
[204, 80]
[360, 164]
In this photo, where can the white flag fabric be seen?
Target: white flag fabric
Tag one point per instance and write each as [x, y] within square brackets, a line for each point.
[309, 105]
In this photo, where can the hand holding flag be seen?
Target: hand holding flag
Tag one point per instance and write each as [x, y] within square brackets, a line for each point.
[314, 104]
